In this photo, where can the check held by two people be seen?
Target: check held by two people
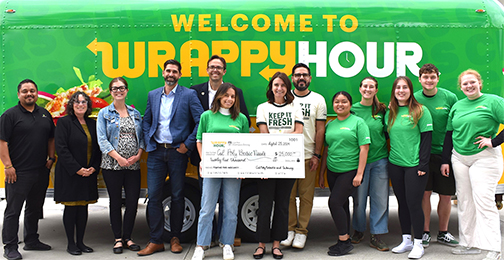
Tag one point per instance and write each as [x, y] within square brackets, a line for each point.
[252, 156]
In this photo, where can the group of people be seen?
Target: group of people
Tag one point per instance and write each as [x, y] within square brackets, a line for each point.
[436, 144]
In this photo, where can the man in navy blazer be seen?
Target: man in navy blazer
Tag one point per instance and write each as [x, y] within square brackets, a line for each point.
[170, 124]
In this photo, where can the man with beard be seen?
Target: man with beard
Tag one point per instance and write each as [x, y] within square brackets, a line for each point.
[27, 152]
[314, 116]
[169, 125]
[216, 69]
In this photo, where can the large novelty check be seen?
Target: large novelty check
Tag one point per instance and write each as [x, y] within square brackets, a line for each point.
[252, 156]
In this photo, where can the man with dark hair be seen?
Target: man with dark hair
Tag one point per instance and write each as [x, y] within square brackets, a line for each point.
[439, 102]
[314, 117]
[170, 124]
[27, 152]
[216, 69]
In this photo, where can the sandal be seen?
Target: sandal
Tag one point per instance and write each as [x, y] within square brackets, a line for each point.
[119, 249]
[132, 246]
[259, 256]
[276, 256]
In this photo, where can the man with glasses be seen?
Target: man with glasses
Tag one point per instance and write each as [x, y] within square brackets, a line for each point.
[27, 152]
[314, 116]
[216, 69]
[169, 125]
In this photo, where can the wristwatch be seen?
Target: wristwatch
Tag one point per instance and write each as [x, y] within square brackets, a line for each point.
[317, 155]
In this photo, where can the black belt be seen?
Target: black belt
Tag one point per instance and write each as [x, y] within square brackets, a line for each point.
[166, 146]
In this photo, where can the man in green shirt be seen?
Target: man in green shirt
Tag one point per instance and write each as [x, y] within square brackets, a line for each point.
[439, 102]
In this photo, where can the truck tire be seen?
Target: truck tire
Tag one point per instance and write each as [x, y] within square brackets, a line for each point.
[247, 213]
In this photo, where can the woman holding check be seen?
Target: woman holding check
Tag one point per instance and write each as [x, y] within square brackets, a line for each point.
[290, 120]
[224, 117]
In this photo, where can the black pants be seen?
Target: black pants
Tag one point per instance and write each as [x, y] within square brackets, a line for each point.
[409, 189]
[277, 190]
[116, 180]
[341, 186]
[31, 187]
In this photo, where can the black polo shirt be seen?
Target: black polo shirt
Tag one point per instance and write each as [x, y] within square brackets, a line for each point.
[27, 135]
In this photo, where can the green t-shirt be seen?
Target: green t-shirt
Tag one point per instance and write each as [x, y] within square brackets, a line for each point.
[472, 118]
[405, 139]
[343, 139]
[439, 107]
[378, 147]
[219, 123]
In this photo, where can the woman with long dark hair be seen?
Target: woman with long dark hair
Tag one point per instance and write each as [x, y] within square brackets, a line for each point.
[409, 125]
[346, 150]
[121, 142]
[279, 105]
[78, 165]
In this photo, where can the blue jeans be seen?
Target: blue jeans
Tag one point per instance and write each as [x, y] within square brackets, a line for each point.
[212, 187]
[375, 184]
[159, 163]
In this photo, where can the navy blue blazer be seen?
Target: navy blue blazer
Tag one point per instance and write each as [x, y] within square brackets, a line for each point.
[186, 111]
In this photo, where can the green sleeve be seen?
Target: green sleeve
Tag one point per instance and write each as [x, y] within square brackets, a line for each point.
[449, 126]
[498, 110]
[363, 133]
[425, 122]
[202, 127]
[244, 124]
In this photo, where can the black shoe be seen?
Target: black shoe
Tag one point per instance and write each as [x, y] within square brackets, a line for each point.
[259, 256]
[342, 248]
[85, 249]
[74, 250]
[132, 247]
[39, 246]
[12, 254]
[276, 256]
[118, 250]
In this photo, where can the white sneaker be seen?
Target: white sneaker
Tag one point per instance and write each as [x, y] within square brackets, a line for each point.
[417, 251]
[462, 250]
[288, 240]
[299, 241]
[199, 253]
[227, 252]
[405, 246]
[493, 255]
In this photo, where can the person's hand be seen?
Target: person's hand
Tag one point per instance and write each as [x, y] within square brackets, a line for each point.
[421, 173]
[200, 169]
[314, 161]
[133, 159]
[10, 175]
[182, 149]
[82, 171]
[357, 181]
[123, 162]
[445, 169]
[91, 170]
[483, 141]
[49, 164]
[321, 183]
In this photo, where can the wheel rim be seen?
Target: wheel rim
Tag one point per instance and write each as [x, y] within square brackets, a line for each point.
[248, 213]
[189, 214]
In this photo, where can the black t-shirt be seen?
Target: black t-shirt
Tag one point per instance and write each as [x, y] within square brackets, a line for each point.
[27, 135]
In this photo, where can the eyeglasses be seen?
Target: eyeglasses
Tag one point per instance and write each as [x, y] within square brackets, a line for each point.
[81, 102]
[215, 68]
[299, 75]
[120, 88]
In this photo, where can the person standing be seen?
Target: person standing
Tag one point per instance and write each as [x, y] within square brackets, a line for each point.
[409, 125]
[345, 154]
[78, 165]
[280, 106]
[474, 147]
[439, 101]
[314, 111]
[375, 182]
[27, 152]
[169, 127]
[225, 117]
[121, 141]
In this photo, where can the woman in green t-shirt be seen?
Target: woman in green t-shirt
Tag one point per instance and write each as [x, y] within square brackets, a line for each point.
[409, 125]
[477, 164]
[345, 154]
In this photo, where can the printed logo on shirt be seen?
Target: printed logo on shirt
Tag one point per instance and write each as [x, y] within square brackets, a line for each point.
[280, 119]
[408, 115]
[377, 116]
[43, 115]
[367, 138]
[235, 127]
[345, 128]
[306, 108]
[441, 108]
[429, 124]
[481, 107]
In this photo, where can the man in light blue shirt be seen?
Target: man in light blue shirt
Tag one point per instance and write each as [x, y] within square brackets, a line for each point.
[170, 124]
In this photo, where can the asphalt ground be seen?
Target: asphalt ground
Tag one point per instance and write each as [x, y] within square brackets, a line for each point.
[322, 233]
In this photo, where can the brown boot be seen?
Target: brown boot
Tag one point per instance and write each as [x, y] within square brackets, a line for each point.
[150, 249]
[175, 245]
